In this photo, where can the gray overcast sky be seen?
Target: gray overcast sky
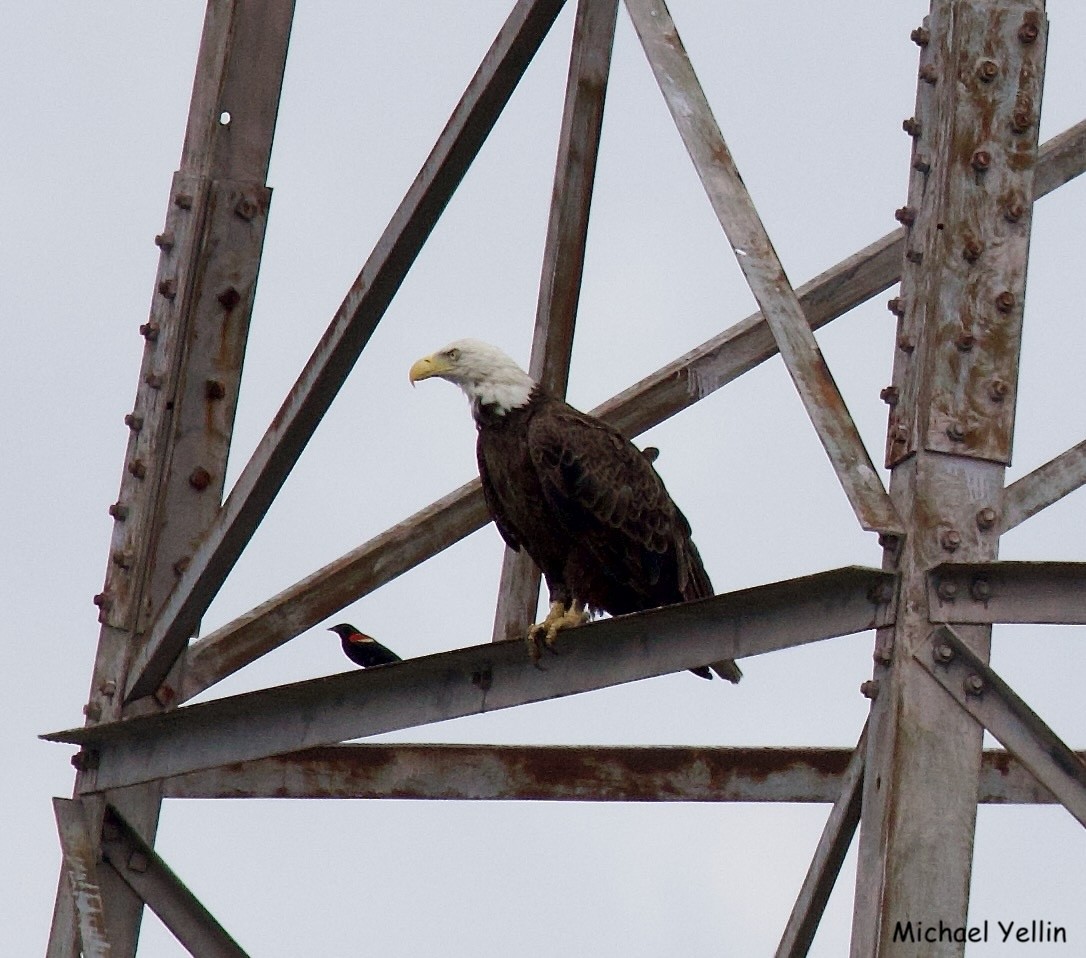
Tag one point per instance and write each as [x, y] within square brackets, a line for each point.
[810, 98]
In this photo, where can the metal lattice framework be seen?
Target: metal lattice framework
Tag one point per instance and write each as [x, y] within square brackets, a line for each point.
[960, 257]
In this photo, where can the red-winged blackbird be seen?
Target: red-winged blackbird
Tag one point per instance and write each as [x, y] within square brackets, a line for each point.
[361, 648]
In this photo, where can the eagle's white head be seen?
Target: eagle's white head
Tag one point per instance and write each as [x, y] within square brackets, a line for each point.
[486, 374]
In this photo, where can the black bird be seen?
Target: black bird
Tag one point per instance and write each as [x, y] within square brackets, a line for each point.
[362, 649]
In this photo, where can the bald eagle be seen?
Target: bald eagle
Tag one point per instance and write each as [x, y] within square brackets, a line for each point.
[576, 495]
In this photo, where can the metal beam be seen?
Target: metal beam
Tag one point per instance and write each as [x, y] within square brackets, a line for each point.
[563, 262]
[582, 773]
[150, 878]
[828, 857]
[949, 437]
[484, 678]
[763, 270]
[987, 592]
[980, 691]
[346, 336]
[1045, 485]
[77, 845]
[654, 399]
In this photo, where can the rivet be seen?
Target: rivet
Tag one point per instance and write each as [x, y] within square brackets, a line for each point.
[119, 511]
[947, 590]
[108, 688]
[981, 160]
[928, 73]
[943, 653]
[1029, 31]
[870, 689]
[997, 390]
[165, 241]
[149, 331]
[200, 479]
[955, 432]
[1005, 301]
[896, 306]
[245, 208]
[974, 684]
[154, 380]
[965, 342]
[921, 36]
[914, 256]
[137, 862]
[103, 600]
[214, 389]
[229, 298]
[981, 590]
[950, 540]
[1021, 120]
[168, 287]
[889, 395]
[93, 711]
[137, 468]
[987, 70]
[971, 249]
[183, 201]
[906, 215]
[912, 126]
[986, 518]
[122, 558]
[133, 422]
[921, 163]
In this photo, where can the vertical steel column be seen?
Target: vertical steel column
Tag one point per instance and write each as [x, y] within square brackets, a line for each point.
[183, 417]
[950, 431]
[563, 261]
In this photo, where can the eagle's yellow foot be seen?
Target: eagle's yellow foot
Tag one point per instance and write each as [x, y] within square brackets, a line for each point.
[545, 633]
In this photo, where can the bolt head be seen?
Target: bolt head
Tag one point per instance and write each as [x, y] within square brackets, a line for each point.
[1005, 301]
[906, 215]
[896, 306]
[943, 653]
[974, 684]
[870, 689]
[914, 256]
[108, 688]
[971, 249]
[168, 287]
[1021, 120]
[229, 298]
[955, 432]
[137, 468]
[889, 395]
[119, 511]
[149, 331]
[245, 208]
[986, 518]
[1029, 31]
[165, 241]
[200, 479]
[981, 160]
[921, 36]
[965, 342]
[214, 389]
[911, 125]
[947, 590]
[921, 164]
[183, 201]
[133, 422]
[987, 70]
[997, 390]
[981, 590]
[951, 540]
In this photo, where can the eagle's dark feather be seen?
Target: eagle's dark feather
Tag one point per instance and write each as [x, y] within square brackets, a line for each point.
[590, 510]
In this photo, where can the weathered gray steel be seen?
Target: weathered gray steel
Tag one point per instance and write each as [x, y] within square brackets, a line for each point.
[980, 691]
[484, 678]
[761, 267]
[1040, 592]
[829, 855]
[151, 879]
[563, 262]
[348, 333]
[1045, 485]
[969, 213]
[79, 873]
[657, 397]
[566, 773]
[183, 414]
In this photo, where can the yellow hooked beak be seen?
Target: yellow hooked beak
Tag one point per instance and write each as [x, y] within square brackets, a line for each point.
[428, 366]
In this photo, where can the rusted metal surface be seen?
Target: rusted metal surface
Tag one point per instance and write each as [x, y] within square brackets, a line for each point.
[671, 389]
[352, 325]
[80, 867]
[986, 592]
[193, 334]
[983, 694]
[949, 435]
[1045, 485]
[530, 773]
[150, 878]
[566, 773]
[829, 855]
[563, 262]
[761, 267]
[484, 678]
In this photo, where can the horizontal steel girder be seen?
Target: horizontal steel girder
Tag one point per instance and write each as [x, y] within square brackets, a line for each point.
[483, 678]
[1052, 593]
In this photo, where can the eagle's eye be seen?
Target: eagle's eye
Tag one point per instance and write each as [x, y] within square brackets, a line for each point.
[452, 354]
